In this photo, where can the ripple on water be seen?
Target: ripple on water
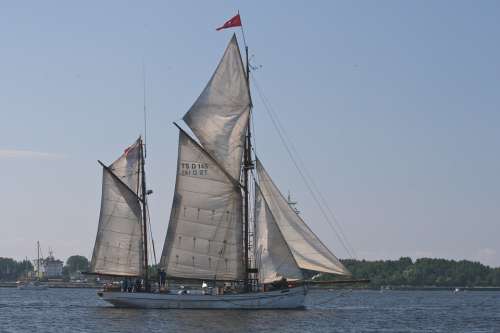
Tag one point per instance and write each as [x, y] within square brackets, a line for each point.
[80, 310]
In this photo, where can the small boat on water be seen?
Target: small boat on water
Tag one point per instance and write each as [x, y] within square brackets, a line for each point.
[251, 260]
[32, 285]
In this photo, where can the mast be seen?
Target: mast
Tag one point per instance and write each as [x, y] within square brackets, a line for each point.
[144, 214]
[26, 267]
[37, 259]
[247, 166]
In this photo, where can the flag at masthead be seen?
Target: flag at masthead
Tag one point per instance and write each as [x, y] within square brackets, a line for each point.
[234, 21]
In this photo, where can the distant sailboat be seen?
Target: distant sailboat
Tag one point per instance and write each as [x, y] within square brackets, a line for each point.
[251, 264]
[35, 284]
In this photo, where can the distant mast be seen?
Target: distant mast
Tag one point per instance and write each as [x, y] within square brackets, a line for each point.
[38, 259]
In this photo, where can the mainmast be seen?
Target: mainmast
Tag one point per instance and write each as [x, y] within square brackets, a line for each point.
[144, 214]
[247, 167]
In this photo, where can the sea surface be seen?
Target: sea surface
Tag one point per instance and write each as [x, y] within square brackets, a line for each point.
[80, 310]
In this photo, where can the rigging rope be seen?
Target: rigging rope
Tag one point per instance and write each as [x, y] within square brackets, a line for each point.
[309, 182]
[254, 146]
[145, 154]
[144, 108]
[151, 235]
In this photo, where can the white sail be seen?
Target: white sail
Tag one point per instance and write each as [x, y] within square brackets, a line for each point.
[118, 249]
[204, 237]
[308, 251]
[274, 258]
[219, 116]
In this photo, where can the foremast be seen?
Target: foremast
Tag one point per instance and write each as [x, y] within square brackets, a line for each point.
[121, 239]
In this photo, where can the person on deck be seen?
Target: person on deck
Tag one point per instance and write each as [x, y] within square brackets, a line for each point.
[279, 284]
[124, 285]
[137, 285]
[163, 278]
[283, 283]
[204, 288]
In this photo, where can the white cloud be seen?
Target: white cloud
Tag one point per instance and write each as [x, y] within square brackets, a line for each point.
[27, 154]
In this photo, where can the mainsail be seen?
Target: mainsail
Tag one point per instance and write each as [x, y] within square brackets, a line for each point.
[219, 116]
[118, 249]
[274, 258]
[308, 251]
[204, 237]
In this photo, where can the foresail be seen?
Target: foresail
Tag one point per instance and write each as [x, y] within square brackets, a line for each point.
[308, 251]
[118, 249]
[219, 116]
[204, 238]
[274, 258]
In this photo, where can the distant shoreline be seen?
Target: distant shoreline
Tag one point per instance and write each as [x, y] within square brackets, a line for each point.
[432, 288]
[72, 285]
[407, 288]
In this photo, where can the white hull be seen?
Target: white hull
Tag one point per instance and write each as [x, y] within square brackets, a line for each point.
[279, 299]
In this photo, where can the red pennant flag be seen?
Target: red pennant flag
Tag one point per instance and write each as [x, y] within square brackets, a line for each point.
[232, 22]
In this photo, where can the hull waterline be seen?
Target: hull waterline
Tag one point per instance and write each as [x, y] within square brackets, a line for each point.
[279, 299]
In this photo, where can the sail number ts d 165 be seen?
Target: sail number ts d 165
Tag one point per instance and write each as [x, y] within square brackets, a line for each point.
[194, 169]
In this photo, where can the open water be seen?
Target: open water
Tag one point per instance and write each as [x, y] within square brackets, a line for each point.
[80, 310]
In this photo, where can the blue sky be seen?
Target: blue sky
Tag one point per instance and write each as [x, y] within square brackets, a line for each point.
[393, 106]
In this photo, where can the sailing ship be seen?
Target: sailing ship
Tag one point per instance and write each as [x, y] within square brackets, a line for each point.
[252, 260]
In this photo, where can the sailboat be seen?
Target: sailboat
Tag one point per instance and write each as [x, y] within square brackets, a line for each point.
[36, 284]
[212, 239]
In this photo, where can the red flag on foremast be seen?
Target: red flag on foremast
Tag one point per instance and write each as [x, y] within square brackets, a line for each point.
[235, 21]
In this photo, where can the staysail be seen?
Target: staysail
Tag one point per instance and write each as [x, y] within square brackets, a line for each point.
[204, 237]
[219, 116]
[308, 251]
[118, 249]
[274, 258]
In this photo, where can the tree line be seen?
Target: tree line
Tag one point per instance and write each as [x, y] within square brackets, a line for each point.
[402, 272]
[422, 272]
[12, 270]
